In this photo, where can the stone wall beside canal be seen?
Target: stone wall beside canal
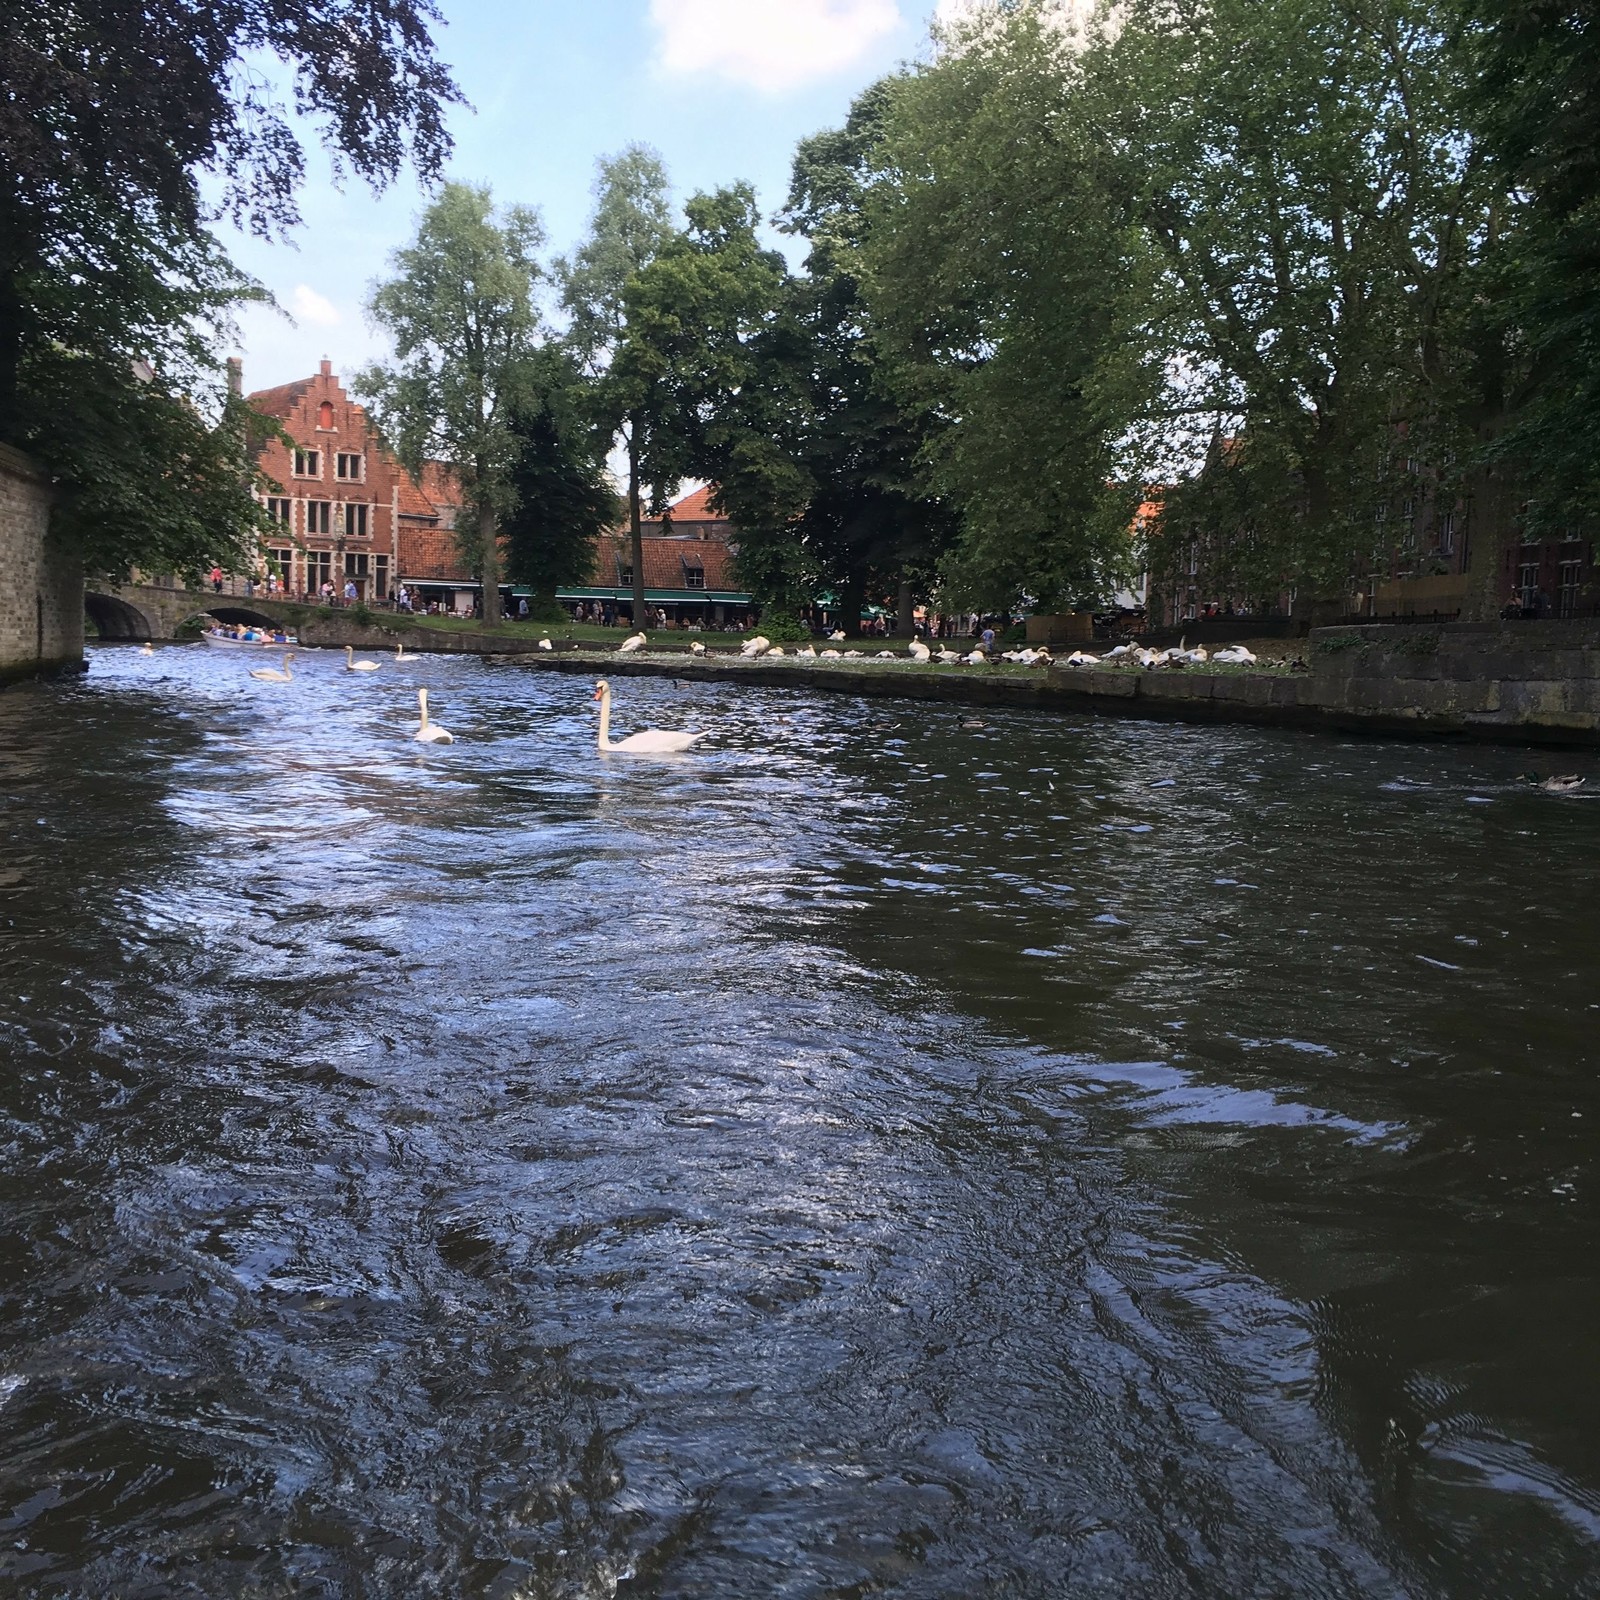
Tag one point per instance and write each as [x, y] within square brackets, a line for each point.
[1516, 682]
[41, 583]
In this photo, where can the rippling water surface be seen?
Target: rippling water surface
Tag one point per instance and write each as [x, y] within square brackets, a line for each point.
[894, 1151]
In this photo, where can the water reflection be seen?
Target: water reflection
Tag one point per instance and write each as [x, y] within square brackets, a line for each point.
[878, 1155]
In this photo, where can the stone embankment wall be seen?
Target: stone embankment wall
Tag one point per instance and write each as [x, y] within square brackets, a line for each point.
[41, 583]
[1515, 682]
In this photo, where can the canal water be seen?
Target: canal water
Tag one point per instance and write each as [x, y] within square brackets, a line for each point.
[892, 1151]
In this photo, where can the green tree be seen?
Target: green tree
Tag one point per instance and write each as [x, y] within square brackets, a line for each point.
[564, 496]
[461, 313]
[112, 114]
[632, 222]
[1006, 284]
[870, 523]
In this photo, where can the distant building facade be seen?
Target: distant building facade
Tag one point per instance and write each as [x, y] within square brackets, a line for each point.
[690, 556]
[343, 506]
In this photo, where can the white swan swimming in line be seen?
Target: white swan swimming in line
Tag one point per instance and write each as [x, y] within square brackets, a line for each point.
[402, 654]
[431, 732]
[651, 742]
[272, 674]
[352, 665]
[634, 641]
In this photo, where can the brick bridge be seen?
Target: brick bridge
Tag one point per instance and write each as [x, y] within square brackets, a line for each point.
[155, 611]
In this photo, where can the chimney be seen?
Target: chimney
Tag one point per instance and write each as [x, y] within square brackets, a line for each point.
[235, 377]
[327, 368]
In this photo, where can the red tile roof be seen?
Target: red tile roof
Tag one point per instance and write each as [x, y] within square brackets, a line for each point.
[413, 502]
[696, 506]
[439, 483]
[281, 401]
[665, 561]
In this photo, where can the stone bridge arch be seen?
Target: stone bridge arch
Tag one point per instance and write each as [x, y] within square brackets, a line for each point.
[115, 618]
[231, 611]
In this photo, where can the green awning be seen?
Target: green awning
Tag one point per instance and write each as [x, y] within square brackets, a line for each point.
[690, 597]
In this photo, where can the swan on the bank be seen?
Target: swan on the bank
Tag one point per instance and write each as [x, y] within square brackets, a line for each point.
[634, 641]
[948, 656]
[830, 655]
[649, 742]
[808, 651]
[544, 643]
[402, 654]
[352, 665]
[430, 732]
[775, 650]
[837, 635]
[1564, 783]
[756, 646]
[1235, 655]
[272, 674]
[977, 659]
[1082, 658]
[696, 648]
[919, 651]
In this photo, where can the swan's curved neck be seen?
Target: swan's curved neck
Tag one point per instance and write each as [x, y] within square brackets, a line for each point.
[422, 700]
[605, 720]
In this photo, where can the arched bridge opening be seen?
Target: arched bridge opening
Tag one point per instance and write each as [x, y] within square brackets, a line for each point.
[112, 618]
[233, 613]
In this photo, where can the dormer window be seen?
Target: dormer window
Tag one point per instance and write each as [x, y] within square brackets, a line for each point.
[347, 467]
[624, 577]
[694, 577]
[325, 414]
[308, 463]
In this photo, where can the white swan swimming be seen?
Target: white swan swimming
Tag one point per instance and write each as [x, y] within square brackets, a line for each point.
[352, 665]
[272, 674]
[149, 649]
[431, 732]
[402, 654]
[651, 742]
[634, 641]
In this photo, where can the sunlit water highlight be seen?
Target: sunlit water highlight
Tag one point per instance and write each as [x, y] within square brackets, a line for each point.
[876, 1154]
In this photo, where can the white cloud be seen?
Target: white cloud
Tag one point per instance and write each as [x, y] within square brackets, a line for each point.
[309, 306]
[769, 44]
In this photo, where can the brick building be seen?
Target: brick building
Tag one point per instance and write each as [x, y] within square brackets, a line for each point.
[689, 569]
[349, 512]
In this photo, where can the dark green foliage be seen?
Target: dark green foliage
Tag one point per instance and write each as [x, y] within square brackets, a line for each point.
[112, 111]
[564, 497]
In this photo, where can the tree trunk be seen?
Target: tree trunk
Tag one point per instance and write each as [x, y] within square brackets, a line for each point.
[636, 524]
[489, 540]
[852, 594]
[905, 625]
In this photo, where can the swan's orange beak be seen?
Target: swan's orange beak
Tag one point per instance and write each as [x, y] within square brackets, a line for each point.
[599, 694]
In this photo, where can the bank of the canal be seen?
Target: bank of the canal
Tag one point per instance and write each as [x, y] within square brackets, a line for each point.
[1514, 682]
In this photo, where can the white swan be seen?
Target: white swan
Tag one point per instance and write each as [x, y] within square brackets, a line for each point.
[949, 656]
[651, 742]
[830, 655]
[544, 643]
[431, 732]
[1235, 655]
[808, 651]
[755, 646]
[920, 651]
[149, 649]
[352, 665]
[977, 659]
[776, 650]
[696, 647]
[402, 654]
[634, 641]
[272, 674]
[1082, 658]
[836, 635]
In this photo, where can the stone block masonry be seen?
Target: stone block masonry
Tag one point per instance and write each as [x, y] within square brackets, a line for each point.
[41, 583]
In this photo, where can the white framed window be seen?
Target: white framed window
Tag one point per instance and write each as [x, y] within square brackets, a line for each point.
[1447, 533]
[319, 516]
[355, 520]
[349, 468]
[308, 463]
[280, 509]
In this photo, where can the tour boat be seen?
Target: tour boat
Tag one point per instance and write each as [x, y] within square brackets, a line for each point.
[228, 642]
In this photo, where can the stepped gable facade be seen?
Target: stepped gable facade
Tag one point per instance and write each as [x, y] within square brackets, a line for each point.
[347, 510]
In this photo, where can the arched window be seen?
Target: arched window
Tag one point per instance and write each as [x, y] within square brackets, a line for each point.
[325, 414]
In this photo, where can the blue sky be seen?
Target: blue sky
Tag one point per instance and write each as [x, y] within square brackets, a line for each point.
[722, 88]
